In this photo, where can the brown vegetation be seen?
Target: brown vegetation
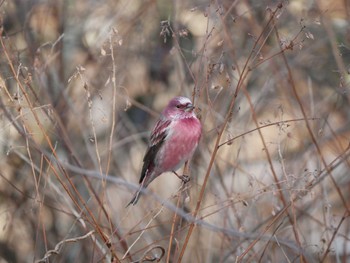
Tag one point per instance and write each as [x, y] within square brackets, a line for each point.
[81, 84]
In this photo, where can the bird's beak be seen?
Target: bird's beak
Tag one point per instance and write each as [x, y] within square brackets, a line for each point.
[189, 107]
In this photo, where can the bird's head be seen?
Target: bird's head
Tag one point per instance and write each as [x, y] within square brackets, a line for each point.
[179, 107]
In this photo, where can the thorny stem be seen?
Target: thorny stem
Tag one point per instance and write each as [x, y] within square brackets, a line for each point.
[61, 168]
[243, 76]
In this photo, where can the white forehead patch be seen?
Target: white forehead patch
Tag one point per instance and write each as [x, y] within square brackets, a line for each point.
[184, 100]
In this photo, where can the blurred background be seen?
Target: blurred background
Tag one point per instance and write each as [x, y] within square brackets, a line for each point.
[82, 84]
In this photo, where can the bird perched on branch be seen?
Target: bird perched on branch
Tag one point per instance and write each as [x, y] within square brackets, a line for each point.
[173, 141]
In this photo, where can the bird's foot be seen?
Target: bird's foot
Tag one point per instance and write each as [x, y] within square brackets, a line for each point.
[184, 178]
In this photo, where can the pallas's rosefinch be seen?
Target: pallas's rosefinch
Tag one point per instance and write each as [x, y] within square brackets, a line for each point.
[173, 141]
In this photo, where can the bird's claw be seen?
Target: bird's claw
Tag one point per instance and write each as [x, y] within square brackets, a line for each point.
[185, 178]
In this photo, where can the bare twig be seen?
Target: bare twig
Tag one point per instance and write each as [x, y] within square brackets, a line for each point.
[58, 247]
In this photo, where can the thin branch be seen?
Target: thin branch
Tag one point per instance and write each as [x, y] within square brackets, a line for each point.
[58, 247]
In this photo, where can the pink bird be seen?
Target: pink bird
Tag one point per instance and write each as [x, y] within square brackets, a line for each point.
[173, 142]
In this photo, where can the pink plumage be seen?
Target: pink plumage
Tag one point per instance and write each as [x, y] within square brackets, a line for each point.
[173, 141]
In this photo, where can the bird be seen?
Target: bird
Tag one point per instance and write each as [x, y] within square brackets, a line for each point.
[173, 141]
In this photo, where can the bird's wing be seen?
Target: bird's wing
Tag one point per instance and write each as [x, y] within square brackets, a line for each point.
[160, 131]
[158, 136]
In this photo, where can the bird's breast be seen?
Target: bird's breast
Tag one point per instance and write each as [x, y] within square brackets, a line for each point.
[180, 144]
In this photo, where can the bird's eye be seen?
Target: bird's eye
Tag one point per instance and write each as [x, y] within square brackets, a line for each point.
[178, 106]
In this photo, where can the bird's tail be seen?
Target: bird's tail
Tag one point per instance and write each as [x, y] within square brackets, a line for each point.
[135, 198]
[145, 182]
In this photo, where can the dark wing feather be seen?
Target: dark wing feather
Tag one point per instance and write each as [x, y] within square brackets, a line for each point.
[157, 139]
[160, 131]
[148, 160]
